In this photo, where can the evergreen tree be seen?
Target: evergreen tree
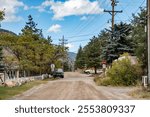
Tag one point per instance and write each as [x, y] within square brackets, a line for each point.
[31, 29]
[49, 39]
[2, 14]
[80, 59]
[92, 53]
[103, 37]
[138, 35]
[118, 42]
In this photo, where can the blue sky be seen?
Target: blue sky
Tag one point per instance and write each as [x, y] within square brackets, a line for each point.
[77, 20]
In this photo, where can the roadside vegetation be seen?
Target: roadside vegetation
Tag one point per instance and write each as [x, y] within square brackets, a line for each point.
[8, 92]
[108, 46]
[121, 73]
[30, 51]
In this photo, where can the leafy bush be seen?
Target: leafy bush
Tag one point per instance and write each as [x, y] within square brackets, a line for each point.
[123, 72]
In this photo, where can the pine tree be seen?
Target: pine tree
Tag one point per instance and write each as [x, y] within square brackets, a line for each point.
[138, 35]
[80, 59]
[92, 53]
[2, 14]
[31, 28]
[118, 42]
[49, 39]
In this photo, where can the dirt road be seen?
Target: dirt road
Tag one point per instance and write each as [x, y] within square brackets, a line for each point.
[74, 86]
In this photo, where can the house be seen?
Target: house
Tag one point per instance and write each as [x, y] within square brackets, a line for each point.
[10, 69]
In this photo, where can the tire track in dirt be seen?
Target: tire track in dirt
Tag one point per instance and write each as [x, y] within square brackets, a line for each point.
[74, 86]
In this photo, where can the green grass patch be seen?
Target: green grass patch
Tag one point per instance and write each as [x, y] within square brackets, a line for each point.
[8, 92]
[50, 79]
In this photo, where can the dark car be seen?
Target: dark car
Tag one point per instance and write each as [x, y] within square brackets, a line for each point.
[58, 73]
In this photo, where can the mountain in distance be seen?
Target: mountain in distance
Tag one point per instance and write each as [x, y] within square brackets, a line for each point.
[72, 56]
[6, 31]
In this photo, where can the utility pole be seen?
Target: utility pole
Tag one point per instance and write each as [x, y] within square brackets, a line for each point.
[148, 39]
[113, 12]
[63, 41]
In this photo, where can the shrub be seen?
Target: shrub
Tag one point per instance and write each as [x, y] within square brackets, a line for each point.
[102, 81]
[123, 72]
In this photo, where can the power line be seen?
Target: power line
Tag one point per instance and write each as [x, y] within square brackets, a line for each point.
[81, 40]
[139, 7]
[99, 27]
[75, 36]
[90, 21]
[80, 25]
[81, 35]
[123, 8]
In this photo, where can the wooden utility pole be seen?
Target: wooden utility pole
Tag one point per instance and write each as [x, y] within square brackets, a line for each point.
[148, 38]
[113, 12]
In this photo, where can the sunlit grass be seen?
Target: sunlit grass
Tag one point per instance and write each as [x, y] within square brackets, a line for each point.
[8, 92]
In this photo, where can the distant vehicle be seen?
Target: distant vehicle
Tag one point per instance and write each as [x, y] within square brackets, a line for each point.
[91, 71]
[58, 73]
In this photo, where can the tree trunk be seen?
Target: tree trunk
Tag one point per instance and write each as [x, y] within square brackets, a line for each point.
[24, 73]
[95, 69]
[17, 74]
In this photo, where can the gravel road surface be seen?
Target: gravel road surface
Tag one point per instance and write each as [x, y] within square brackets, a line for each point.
[74, 86]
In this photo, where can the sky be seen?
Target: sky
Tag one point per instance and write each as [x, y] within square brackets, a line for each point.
[77, 20]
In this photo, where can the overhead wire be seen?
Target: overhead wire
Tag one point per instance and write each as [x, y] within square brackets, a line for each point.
[75, 36]
[103, 24]
[140, 6]
[81, 24]
[92, 20]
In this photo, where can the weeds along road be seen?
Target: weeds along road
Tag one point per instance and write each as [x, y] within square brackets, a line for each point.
[74, 86]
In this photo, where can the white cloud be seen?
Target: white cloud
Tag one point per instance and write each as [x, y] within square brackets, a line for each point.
[69, 45]
[26, 7]
[83, 18]
[11, 8]
[55, 28]
[71, 7]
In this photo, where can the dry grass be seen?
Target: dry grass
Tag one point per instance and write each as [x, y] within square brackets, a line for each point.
[140, 93]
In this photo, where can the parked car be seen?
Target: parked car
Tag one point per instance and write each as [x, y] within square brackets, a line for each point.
[58, 73]
[88, 71]
[91, 71]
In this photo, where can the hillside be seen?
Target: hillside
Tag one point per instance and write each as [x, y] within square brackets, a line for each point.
[6, 31]
[72, 55]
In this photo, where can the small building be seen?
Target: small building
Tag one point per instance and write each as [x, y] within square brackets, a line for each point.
[9, 65]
